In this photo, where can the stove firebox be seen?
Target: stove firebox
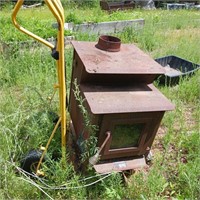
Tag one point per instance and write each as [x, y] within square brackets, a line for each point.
[120, 98]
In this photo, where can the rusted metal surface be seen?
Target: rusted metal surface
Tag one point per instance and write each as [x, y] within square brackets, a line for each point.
[150, 122]
[129, 60]
[118, 92]
[125, 99]
[120, 165]
[109, 43]
[106, 5]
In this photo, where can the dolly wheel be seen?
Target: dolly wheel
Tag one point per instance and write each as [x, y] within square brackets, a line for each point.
[31, 160]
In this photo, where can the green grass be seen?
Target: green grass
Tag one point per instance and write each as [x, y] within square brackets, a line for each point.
[27, 76]
[39, 21]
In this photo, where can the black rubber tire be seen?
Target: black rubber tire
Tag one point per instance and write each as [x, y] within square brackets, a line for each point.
[31, 160]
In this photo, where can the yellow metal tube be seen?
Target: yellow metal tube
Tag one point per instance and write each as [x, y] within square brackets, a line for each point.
[14, 15]
[53, 9]
[59, 9]
[60, 5]
[56, 8]
[47, 145]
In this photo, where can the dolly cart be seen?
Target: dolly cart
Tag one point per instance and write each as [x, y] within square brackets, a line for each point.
[57, 53]
[116, 82]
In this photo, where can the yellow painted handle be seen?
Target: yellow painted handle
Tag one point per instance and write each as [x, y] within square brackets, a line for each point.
[54, 6]
[14, 15]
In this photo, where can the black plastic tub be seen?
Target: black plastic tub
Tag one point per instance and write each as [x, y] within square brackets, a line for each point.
[175, 69]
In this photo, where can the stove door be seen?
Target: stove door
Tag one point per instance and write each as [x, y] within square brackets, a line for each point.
[131, 134]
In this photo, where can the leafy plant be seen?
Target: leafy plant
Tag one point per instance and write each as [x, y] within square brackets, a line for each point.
[71, 17]
[89, 145]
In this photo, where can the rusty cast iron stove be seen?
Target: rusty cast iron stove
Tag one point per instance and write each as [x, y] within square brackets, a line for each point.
[116, 82]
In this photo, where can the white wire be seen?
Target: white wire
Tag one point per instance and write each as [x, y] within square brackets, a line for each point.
[32, 182]
[35, 176]
[76, 187]
[63, 187]
[36, 185]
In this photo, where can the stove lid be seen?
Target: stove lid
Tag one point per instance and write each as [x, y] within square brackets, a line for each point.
[129, 60]
[131, 99]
